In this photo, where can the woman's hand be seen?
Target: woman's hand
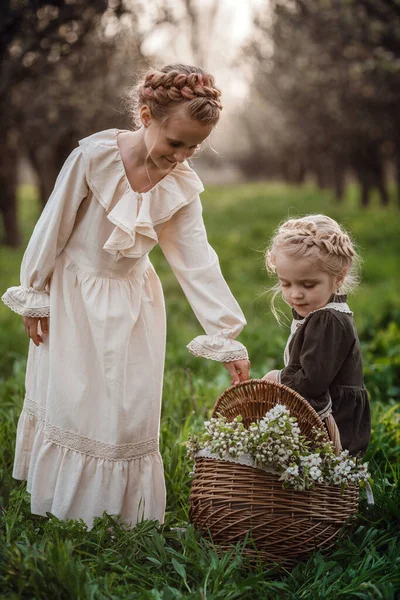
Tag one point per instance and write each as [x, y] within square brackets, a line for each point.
[272, 375]
[31, 328]
[239, 370]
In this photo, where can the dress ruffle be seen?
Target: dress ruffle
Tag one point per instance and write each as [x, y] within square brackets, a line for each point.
[134, 215]
[217, 347]
[27, 302]
[71, 484]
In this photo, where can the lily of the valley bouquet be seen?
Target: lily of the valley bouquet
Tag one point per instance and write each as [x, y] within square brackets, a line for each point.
[275, 443]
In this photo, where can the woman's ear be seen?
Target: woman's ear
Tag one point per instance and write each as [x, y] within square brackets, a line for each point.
[145, 115]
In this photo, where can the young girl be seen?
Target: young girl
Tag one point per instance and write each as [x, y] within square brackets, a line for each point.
[316, 262]
[93, 305]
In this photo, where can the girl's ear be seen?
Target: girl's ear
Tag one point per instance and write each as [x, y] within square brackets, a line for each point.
[145, 115]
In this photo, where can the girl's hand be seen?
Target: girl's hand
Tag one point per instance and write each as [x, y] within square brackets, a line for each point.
[239, 370]
[31, 328]
[271, 375]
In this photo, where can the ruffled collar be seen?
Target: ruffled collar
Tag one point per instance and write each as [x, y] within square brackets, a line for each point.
[134, 214]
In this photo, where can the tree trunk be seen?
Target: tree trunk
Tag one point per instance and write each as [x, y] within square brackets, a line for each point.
[45, 171]
[383, 193]
[8, 187]
[47, 161]
[397, 176]
[339, 176]
[365, 189]
[380, 181]
[319, 168]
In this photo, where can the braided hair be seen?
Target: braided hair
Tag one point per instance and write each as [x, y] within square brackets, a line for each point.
[176, 84]
[319, 238]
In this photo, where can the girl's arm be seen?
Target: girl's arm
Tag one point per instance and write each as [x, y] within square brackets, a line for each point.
[183, 240]
[325, 346]
[31, 299]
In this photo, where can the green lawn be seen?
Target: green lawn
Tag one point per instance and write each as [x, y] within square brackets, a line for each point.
[48, 559]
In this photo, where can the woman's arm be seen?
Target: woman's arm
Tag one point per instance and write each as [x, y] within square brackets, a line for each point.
[31, 299]
[184, 243]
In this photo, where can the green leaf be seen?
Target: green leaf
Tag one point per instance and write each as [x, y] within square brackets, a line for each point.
[179, 568]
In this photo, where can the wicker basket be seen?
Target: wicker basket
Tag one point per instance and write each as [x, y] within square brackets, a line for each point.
[230, 501]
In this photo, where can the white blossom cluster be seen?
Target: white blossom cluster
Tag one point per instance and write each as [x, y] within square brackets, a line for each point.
[276, 442]
[222, 438]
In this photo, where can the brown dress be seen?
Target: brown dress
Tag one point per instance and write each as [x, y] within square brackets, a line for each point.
[323, 363]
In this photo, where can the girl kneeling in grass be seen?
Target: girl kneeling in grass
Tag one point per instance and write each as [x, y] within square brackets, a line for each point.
[316, 264]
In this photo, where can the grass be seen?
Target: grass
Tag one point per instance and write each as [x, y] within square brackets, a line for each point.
[47, 558]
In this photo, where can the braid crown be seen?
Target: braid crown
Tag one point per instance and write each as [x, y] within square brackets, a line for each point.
[175, 86]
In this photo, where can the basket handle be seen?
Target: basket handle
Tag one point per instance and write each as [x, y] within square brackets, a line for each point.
[333, 432]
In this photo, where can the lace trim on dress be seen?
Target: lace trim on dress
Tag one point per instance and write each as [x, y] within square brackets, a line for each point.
[228, 356]
[35, 410]
[84, 445]
[10, 299]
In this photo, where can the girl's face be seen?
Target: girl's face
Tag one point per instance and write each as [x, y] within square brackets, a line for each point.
[305, 287]
[174, 140]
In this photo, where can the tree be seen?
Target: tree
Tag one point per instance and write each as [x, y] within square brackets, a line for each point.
[35, 35]
[81, 96]
[333, 76]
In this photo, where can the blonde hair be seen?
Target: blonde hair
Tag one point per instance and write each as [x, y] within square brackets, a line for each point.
[172, 85]
[320, 239]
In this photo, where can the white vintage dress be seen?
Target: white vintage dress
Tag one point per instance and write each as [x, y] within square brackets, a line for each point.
[87, 438]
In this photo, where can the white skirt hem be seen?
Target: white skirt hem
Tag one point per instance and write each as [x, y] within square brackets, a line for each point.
[73, 485]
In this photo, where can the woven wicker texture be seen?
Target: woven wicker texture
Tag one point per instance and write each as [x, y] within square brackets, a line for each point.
[229, 501]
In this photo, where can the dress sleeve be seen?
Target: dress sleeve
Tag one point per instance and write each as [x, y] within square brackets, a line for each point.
[184, 243]
[54, 227]
[325, 346]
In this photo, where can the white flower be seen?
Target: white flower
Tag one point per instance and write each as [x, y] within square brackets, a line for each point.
[293, 470]
[315, 473]
[276, 441]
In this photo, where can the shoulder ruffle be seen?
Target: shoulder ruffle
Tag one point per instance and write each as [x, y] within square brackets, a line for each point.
[134, 215]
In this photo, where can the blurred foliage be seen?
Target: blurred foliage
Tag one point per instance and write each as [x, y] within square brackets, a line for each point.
[382, 361]
[325, 93]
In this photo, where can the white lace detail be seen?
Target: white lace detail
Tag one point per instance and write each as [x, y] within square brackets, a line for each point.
[229, 356]
[35, 410]
[84, 445]
[76, 442]
[25, 311]
[325, 412]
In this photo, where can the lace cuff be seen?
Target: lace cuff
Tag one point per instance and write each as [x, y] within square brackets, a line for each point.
[27, 302]
[326, 411]
[217, 347]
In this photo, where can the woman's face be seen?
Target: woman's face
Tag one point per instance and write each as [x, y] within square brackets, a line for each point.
[174, 139]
